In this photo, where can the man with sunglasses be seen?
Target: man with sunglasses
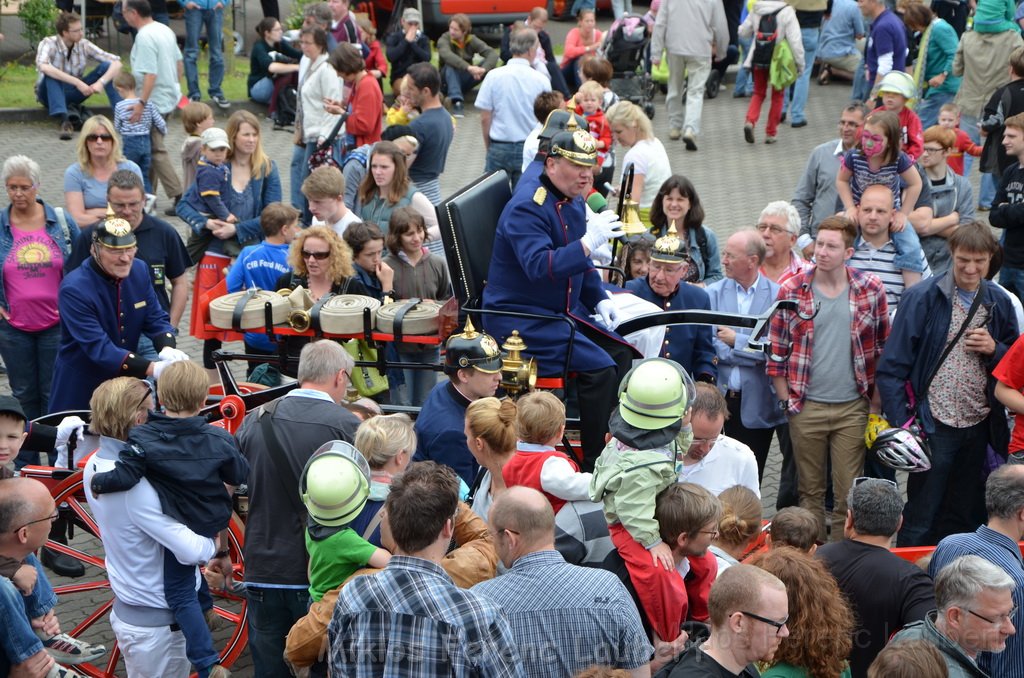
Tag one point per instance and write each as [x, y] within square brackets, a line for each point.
[30, 636]
[996, 542]
[749, 610]
[107, 304]
[974, 616]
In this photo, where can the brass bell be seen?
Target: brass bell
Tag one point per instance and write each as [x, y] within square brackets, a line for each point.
[517, 374]
[632, 225]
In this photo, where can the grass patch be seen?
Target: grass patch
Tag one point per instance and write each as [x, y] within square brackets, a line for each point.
[18, 83]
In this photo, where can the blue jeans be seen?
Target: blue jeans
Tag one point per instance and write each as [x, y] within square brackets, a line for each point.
[300, 170]
[928, 110]
[56, 96]
[579, 5]
[29, 357]
[458, 81]
[506, 155]
[213, 20]
[744, 82]
[951, 488]
[909, 246]
[185, 603]
[1013, 280]
[969, 124]
[139, 149]
[861, 87]
[418, 383]
[262, 90]
[272, 612]
[796, 108]
[18, 640]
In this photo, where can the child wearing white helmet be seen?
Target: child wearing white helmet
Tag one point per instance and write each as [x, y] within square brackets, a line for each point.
[898, 91]
[334, 487]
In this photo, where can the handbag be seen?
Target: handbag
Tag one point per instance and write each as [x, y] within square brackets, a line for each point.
[782, 72]
[324, 153]
[368, 381]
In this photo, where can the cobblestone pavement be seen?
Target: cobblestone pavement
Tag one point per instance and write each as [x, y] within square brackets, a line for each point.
[735, 181]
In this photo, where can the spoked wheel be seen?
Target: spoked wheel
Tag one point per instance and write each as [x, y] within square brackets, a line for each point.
[90, 599]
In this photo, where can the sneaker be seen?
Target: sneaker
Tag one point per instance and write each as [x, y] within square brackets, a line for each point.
[170, 211]
[796, 124]
[195, 97]
[221, 101]
[770, 140]
[458, 110]
[690, 139]
[675, 133]
[713, 85]
[67, 129]
[748, 132]
[67, 650]
[58, 671]
[150, 203]
[984, 208]
[218, 671]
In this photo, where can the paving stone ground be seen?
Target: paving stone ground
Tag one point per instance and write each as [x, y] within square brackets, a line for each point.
[735, 180]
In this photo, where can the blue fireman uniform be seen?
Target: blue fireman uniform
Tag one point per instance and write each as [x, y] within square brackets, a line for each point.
[101, 320]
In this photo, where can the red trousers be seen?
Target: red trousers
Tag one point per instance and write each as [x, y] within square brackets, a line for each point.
[667, 600]
[761, 86]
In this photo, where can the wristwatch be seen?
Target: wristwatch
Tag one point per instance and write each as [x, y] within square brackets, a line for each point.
[783, 405]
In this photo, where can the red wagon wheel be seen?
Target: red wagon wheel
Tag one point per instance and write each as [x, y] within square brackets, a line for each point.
[90, 595]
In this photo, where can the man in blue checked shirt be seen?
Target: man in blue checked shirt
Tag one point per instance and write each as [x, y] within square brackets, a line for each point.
[996, 542]
[410, 619]
[564, 617]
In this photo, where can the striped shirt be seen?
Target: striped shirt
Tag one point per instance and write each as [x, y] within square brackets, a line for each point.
[54, 52]
[863, 176]
[565, 618]
[879, 260]
[150, 118]
[1000, 550]
[410, 620]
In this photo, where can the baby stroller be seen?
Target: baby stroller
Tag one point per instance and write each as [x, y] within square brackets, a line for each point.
[627, 45]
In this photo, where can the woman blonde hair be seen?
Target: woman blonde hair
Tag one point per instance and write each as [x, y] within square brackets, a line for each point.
[381, 438]
[119, 404]
[340, 266]
[630, 115]
[98, 124]
[260, 160]
[494, 422]
[741, 516]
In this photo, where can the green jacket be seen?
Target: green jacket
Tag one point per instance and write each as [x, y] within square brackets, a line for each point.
[460, 57]
[628, 481]
[995, 16]
[783, 670]
[942, 44]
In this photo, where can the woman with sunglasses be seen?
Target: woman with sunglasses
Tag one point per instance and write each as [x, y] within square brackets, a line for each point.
[85, 181]
[322, 263]
[35, 240]
[820, 621]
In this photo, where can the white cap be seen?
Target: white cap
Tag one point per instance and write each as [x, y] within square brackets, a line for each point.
[215, 137]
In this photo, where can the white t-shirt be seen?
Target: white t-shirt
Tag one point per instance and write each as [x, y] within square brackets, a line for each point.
[729, 463]
[650, 161]
[156, 51]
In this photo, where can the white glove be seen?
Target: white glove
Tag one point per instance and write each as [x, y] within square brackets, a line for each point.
[172, 354]
[159, 366]
[69, 426]
[600, 228]
[603, 254]
[609, 314]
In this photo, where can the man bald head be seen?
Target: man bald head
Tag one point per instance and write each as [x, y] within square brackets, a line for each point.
[26, 512]
[874, 214]
[522, 522]
[743, 255]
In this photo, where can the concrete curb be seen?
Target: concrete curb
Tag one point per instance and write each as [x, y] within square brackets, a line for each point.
[39, 114]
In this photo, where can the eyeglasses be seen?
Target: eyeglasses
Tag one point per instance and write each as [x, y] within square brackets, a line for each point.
[771, 622]
[773, 228]
[319, 256]
[713, 533]
[49, 518]
[99, 137]
[706, 442]
[15, 190]
[998, 621]
[149, 392]
[864, 479]
[933, 150]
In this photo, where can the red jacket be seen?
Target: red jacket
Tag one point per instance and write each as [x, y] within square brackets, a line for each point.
[955, 160]
[524, 469]
[600, 130]
[367, 103]
[375, 59]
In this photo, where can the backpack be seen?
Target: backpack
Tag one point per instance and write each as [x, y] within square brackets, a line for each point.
[286, 106]
[764, 40]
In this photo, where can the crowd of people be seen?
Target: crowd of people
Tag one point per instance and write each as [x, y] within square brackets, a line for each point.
[472, 541]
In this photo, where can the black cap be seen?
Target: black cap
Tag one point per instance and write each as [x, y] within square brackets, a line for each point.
[11, 405]
[472, 349]
[557, 121]
[114, 233]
